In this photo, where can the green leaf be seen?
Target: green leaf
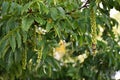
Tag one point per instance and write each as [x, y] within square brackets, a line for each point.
[80, 40]
[39, 20]
[26, 23]
[3, 48]
[10, 60]
[24, 35]
[5, 7]
[26, 7]
[54, 13]
[18, 38]
[57, 30]
[12, 7]
[70, 23]
[17, 56]
[2, 63]
[56, 64]
[10, 24]
[62, 11]
[5, 51]
[118, 1]
[49, 26]
[12, 42]
[44, 8]
[19, 70]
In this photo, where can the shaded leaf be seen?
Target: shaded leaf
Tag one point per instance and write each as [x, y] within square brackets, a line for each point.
[18, 38]
[10, 60]
[17, 56]
[5, 6]
[24, 36]
[3, 48]
[12, 7]
[12, 42]
[18, 71]
[49, 26]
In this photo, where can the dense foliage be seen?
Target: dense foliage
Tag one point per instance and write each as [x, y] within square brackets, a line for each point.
[30, 29]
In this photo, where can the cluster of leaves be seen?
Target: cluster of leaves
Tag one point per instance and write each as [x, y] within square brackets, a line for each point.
[26, 53]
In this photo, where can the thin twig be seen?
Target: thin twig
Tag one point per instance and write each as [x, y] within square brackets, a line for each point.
[84, 6]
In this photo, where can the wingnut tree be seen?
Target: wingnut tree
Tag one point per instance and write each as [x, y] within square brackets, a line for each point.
[30, 31]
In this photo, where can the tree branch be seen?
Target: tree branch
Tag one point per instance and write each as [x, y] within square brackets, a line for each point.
[85, 5]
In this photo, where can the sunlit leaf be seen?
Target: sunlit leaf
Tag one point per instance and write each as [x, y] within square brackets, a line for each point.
[58, 32]
[54, 13]
[26, 7]
[39, 20]
[62, 11]
[26, 23]
[49, 26]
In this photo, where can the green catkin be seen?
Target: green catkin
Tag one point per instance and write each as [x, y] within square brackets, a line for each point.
[39, 57]
[34, 37]
[30, 64]
[24, 58]
[93, 29]
[38, 51]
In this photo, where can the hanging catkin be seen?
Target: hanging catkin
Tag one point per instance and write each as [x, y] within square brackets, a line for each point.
[24, 58]
[39, 57]
[39, 53]
[93, 29]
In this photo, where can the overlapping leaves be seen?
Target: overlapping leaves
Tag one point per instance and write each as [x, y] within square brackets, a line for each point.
[61, 20]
